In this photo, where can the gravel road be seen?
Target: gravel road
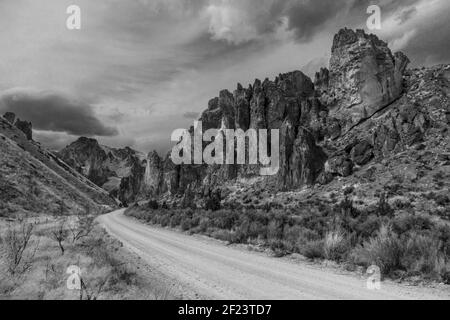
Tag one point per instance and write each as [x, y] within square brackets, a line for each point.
[216, 271]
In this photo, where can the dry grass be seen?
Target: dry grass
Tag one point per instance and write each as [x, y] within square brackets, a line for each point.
[106, 273]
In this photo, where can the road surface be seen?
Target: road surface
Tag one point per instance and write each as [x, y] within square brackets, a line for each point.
[216, 271]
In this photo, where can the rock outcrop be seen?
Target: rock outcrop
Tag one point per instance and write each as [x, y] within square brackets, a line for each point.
[24, 126]
[365, 108]
[314, 120]
[364, 76]
[10, 117]
[119, 171]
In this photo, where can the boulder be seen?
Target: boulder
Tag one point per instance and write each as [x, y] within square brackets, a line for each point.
[362, 153]
[340, 165]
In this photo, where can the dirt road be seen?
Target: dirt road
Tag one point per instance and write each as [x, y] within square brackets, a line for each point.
[205, 268]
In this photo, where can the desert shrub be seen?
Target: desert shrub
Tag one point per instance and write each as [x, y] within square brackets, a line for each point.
[346, 208]
[153, 205]
[446, 277]
[335, 245]
[405, 223]
[385, 251]
[292, 234]
[165, 221]
[313, 249]
[278, 247]
[175, 220]
[383, 207]
[185, 224]
[18, 247]
[223, 235]
[223, 219]
[367, 226]
[257, 230]
[213, 202]
[82, 227]
[60, 234]
[421, 255]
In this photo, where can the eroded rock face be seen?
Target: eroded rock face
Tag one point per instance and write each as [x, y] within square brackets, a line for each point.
[339, 165]
[364, 109]
[26, 127]
[364, 76]
[107, 167]
[302, 160]
[10, 117]
[153, 177]
[362, 153]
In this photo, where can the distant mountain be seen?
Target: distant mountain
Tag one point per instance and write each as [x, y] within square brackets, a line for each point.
[34, 180]
[109, 168]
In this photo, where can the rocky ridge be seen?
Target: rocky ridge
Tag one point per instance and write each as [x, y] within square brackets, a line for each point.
[118, 171]
[366, 108]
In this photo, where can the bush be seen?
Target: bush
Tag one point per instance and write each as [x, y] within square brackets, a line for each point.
[165, 221]
[335, 245]
[153, 205]
[422, 255]
[18, 251]
[213, 202]
[385, 251]
[186, 224]
[223, 235]
[405, 223]
[313, 249]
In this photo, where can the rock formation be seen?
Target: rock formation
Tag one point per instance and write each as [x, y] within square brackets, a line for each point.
[364, 108]
[119, 171]
[24, 126]
[364, 76]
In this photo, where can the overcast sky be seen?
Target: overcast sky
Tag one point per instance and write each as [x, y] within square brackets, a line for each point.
[139, 69]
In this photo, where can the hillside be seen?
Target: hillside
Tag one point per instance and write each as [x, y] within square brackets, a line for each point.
[33, 180]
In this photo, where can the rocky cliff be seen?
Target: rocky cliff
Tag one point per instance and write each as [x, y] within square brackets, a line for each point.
[24, 126]
[365, 109]
[118, 171]
[356, 111]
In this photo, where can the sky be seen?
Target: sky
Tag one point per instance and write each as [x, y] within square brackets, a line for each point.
[138, 69]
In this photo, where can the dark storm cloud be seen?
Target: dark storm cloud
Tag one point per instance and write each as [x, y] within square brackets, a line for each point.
[431, 42]
[307, 17]
[53, 112]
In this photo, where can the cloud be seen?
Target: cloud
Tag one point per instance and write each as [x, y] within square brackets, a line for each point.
[54, 112]
[147, 66]
[307, 17]
[406, 14]
[242, 21]
[191, 115]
